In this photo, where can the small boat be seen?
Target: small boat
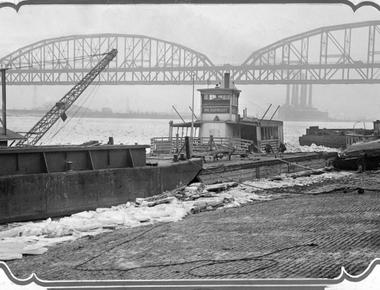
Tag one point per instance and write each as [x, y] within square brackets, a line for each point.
[339, 138]
[359, 156]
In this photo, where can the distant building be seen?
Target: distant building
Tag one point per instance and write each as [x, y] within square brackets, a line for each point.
[299, 107]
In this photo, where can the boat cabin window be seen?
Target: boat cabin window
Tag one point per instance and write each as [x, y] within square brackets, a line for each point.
[223, 110]
[219, 102]
[213, 97]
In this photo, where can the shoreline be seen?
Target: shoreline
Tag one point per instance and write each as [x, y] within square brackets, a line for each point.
[311, 232]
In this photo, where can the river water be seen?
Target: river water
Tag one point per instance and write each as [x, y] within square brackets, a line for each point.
[131, 131]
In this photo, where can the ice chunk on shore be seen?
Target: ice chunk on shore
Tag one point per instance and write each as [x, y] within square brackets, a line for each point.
[292, 148]
[288, 181]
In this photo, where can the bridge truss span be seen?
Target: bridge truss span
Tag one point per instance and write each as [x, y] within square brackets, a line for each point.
[141, 60]
[348, 53]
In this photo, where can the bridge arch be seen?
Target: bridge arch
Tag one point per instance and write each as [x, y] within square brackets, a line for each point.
[140, 60]
[323, 55]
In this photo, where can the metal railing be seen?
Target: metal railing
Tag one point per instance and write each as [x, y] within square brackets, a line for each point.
[166, 145]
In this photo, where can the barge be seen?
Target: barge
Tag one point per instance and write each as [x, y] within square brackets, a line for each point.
[339, 138]
[50, 181]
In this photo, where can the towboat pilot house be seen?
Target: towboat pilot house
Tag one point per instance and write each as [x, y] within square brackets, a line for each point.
[220, 126]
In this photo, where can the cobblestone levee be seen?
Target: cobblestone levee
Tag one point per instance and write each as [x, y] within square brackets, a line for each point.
[302, 235]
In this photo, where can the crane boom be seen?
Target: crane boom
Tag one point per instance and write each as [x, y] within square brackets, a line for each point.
[59, 109]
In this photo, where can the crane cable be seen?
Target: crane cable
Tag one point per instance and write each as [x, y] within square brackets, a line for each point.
[90, 95]
[80, 107]
[58, 128]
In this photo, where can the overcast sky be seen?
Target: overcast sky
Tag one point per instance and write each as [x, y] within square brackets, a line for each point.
[225, 33]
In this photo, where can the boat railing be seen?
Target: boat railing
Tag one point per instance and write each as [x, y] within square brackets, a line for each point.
[354, 138]
[167, 145]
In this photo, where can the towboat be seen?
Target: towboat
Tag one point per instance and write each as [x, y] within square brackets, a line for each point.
[220, 129]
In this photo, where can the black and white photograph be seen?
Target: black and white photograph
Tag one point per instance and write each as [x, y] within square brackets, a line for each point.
[189, 144]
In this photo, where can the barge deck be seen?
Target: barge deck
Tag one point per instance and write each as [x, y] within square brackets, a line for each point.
[257, 166]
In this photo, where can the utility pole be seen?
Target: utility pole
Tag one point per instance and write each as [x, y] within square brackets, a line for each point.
[192, 120]
[4, 101]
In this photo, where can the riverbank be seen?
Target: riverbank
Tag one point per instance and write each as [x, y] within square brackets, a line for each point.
[86, 113]
[303, 231]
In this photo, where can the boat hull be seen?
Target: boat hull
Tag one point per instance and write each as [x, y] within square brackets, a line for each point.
[355, 163]
[37, 196]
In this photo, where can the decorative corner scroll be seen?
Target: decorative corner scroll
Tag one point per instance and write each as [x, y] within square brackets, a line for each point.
[6, 273]
[345, 276]
[354, 4]
[268, 284]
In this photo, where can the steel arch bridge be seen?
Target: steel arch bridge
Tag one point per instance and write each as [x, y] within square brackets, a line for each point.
[340, 54]
[140, 60]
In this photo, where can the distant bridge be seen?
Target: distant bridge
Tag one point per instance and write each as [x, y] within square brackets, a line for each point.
[341, 54]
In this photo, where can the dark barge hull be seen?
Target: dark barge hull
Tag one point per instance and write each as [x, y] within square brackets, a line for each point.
[29, 196]
[355, 163]
[337, 138]
[332, 141]
[364, 156]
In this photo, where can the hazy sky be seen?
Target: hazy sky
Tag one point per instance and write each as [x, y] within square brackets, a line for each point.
[225, 33]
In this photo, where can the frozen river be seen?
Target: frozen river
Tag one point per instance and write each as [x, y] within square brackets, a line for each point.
[130, 131]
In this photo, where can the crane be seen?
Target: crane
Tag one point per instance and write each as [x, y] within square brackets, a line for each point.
[59, 109]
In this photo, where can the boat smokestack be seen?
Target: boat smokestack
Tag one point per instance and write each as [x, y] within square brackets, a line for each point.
[245, 113]
[227, 80]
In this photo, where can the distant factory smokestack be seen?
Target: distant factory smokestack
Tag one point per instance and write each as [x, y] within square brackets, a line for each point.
[226, 80]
